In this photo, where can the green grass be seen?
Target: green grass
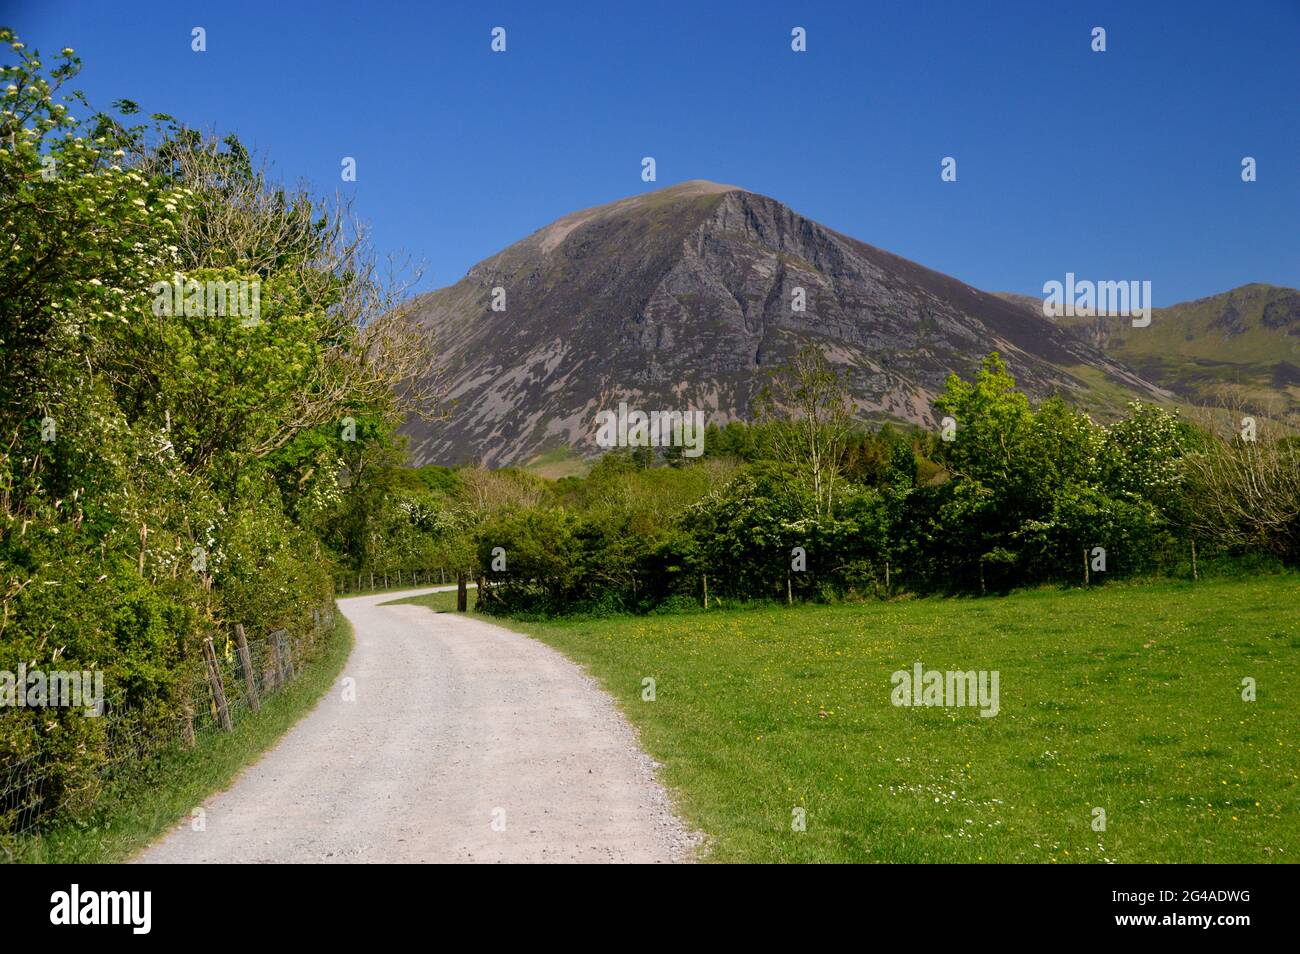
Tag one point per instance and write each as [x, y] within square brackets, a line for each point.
[1126, 698]
[558, 462]
[137, 811]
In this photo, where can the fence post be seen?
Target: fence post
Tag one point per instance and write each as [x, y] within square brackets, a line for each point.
[272, 674]
[288, 656]
[462, 594]
[283, 655]
[246, 660]
[218, 688]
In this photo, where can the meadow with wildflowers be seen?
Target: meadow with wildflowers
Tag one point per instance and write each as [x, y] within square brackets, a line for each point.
[1124, 698]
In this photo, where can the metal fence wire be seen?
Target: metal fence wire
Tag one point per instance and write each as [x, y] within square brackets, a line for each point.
[39, 787]
[372, 580]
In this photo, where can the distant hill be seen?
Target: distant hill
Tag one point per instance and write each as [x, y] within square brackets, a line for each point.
[1241, 345]
[682, 299]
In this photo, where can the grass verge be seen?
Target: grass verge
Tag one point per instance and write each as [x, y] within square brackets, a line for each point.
[134, 812]
[1124, 698]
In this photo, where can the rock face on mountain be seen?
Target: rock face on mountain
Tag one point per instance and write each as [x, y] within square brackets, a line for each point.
[683, 299]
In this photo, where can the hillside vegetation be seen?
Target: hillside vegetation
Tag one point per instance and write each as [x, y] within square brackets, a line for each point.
[1241, 347]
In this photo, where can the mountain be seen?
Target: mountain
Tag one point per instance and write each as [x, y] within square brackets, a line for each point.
[1242, 346]
[681, 299]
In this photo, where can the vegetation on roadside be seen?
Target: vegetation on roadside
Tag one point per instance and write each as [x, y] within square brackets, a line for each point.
[805, 505]
[199, 371]
[145, 801]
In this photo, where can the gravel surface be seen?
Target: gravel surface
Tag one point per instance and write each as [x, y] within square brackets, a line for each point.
[465, 742]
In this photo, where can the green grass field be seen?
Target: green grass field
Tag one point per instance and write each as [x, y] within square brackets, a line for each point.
[1125, 698]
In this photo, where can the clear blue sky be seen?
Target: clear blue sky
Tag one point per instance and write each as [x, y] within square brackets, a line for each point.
[1122, 165]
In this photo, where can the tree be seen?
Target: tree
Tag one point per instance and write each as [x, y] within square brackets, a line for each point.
[810, 406]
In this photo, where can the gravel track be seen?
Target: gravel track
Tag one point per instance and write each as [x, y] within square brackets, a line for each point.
[465, 742]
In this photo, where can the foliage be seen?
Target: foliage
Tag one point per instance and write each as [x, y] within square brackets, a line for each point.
[166, 472]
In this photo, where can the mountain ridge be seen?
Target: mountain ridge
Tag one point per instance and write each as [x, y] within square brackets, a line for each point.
[683, 297]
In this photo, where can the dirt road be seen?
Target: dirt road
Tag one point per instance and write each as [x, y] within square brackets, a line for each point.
[464, 742]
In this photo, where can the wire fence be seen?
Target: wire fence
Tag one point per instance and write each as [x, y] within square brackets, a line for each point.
[373, 581]
[236, 676]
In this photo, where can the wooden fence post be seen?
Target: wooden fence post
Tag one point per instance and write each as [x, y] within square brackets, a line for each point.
[1086, 580]
[246, 660]
[705, 578]
[187, 727]
[271, 680]
[1194, 573]
[283, 655]
[218, 688]
[462, 594]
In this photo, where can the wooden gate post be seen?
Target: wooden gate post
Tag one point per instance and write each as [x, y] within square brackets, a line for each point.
[218, 688]
[246, 660]
[462, 594]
